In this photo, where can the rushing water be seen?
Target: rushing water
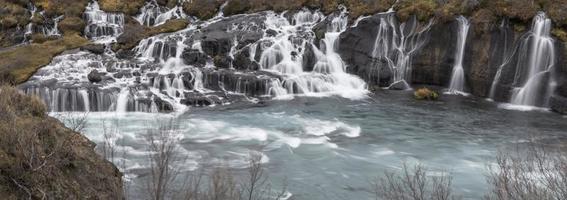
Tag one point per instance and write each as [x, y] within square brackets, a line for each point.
[457, 84]
[330, 148]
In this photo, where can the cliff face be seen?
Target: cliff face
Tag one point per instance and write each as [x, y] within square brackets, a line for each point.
[41, 158]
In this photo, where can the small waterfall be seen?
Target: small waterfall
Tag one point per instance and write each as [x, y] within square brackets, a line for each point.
[536, 60]
[102, 25]
[285, 57]
[506, 58]
[457, 84]
[154, 15]
[396, 44]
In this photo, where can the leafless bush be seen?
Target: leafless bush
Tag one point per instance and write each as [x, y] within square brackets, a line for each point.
[536, 172]
[74, 121]
[413, 184]
[108, 147]
[162, 145]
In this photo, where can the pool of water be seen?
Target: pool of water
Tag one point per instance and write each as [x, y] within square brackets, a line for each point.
[331, 148]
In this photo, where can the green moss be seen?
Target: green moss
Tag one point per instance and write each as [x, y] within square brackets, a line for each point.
[18, 63]
[560, 34]
[425, 94]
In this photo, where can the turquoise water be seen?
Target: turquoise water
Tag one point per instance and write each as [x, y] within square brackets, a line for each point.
[331, 148]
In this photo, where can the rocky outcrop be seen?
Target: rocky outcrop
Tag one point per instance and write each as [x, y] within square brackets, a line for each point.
[41, 158]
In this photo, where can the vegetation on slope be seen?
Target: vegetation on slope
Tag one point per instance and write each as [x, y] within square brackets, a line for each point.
[41, 159]
[129, 7]
[20, 63]
[134, 32]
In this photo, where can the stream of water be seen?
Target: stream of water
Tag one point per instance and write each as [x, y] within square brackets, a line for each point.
[330, 148]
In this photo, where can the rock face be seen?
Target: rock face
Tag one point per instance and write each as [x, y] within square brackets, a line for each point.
[485, 53]
[42, 156]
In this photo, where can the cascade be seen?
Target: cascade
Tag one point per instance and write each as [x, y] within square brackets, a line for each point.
[395, 46]
[48, 28]
[537, 58]
[285, 57]
[102, 25]
[159, 78]
[506, 58]
[154, 15]
[457, 84]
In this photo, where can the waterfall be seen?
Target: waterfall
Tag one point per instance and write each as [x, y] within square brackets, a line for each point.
[102, 25]
[504, 29]
[170, 71]
[285, 57]
[457, 84]
[396, 44]
[154, 15]
[536, 59]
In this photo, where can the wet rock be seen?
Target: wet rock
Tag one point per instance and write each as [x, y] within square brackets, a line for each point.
[201, 100]
[194, 57]
[217, 43]
[558, 104]
[242, 60]
[94, 76]
[163, 106]
[309, 59]
[224, 62]
[271, 33]
[94, 48]
[399, 85]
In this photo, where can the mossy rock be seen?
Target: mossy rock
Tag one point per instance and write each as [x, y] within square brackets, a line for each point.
[134, 32]
[425, 94]
[560, 34]
[423, 9]
[129, 7]
[70, 25]
[69, 8]
[202, 9]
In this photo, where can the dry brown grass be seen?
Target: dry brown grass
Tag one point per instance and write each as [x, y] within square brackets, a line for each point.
[41, 159]
[18, 63]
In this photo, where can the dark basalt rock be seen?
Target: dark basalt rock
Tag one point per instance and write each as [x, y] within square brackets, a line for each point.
[194, 57]
[242, 60]
[399, 85]
[217, 43]
[558, 104]
[94, 76]
[163, 106]
[94, 48]
[309, 59]
[224, 62]
[200, 100]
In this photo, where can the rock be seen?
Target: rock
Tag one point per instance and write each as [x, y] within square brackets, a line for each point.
[399, 85]
[194, 57]
[163, 106]
[94, 48]
[224, 62]
[271, 33]
[558, 104]
[309, 59]
[94, 76]
[425, 94]
[242, 60]
[217, 43]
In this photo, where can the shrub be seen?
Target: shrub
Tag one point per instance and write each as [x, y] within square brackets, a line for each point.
[532, 172]
[425, 94]
[413, 184]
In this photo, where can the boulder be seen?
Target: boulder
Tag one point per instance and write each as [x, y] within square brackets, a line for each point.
[399, 85]
[558, 104]
[94, 76]
[94, 48]
[194, 57]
